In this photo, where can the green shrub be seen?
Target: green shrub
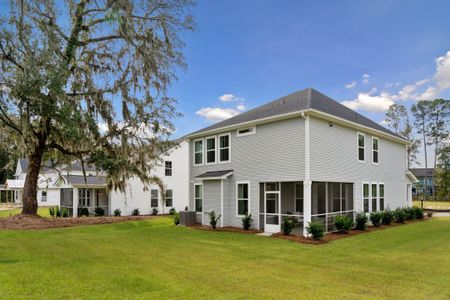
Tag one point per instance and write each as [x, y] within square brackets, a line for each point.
[287, 224]
[375, 218]
[176, 218]
[172, 211]
[247, 221]
[388, 217]
[400, 215]
[117, 212]
[51, 211]
[418, 212]
[83, 212]
[186, 208]
[213, 219]
[64, 212]
[57, 212]
[99, 212]
[409, 213]
[136, 212]
[155, 211]
[361, 221]
[343, 223]
[316, 229]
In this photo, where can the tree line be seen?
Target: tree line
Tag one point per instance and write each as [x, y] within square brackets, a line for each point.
[429, 126]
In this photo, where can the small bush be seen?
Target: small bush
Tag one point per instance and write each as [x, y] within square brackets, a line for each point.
[176, 218]
[361, 221]
[51, 211]
[135, 212]
[316, 229]
[99, 212]
[287, 224]
[117, 212]
[247, 221]
[83, 212]
[418, 212]
[186, 208]
[400, 215]
[343, 224]
[375, 218]
[172, 211]
[388, 217]
[64, 212]
[57, 212]
[155, 211]
[213, 219]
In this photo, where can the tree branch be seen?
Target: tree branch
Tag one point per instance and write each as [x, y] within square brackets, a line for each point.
[65, 151]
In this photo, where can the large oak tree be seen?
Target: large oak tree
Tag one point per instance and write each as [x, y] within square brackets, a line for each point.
[88, 80]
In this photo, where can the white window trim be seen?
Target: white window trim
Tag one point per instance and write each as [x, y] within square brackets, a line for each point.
[379, 195]
[171, 168]
[378, 151]
[229, 148]
[357, 146]
[246, 133]
[44, 197]
[369, 197]
[203, 151]
[157, 198]
[237, 199]
[169, 197]
[195, 200]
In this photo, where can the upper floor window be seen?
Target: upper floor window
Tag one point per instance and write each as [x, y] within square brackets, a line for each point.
[168, 168]
[198, 152]
[169, 198]
[44, 196]
[375, 147]
[154, 198]
[224, 148]
[361, 146]
[246, 131]
[211, 150]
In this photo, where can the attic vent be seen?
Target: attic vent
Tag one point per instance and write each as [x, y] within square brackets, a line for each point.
[246, 131]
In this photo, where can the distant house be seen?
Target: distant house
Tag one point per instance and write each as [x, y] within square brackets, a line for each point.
[421, 174]
[303, 155]
[65, 186]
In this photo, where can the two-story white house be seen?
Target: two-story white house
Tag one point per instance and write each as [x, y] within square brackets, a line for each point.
[304, 156]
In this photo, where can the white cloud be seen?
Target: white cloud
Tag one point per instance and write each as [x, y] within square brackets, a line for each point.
[350, 85]
[365, 78]
[229, 98]
[240, 107]
[217, 113]
[368, 102]
[442, 75]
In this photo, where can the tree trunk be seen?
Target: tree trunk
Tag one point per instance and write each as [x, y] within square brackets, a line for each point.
[426, 161]
[29, 197]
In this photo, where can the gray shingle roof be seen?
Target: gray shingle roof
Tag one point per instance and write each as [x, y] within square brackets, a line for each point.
[90, 180]
[214, 174]
[420, 172]
[296, 102]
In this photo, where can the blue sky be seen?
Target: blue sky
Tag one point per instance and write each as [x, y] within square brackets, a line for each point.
[367, 53]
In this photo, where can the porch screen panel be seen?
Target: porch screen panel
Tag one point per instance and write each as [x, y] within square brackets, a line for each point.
[334, 197]
[347, 196]
[319, 198]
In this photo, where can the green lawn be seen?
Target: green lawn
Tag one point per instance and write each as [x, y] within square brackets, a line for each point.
[153, 259]
[42, 211]
[434, 204]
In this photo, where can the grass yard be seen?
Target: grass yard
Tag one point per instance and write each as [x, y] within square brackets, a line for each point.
[42, 211]
[153, 259]
[433, 204]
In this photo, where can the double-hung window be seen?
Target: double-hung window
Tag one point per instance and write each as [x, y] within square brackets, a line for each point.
[211, 150]
[44, 196]
[154, 198]
[374, 197]
[168, 168]
[198, 198]
[381, 192]
[198, 152]
[375, 147]
[366, 195]
[224, 148]
[84, 197]
[169, 198]
[361, 147]
[242, 198]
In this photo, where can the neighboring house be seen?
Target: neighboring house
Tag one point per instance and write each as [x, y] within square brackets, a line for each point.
[304, 156]
[419, 188]
[65, 186]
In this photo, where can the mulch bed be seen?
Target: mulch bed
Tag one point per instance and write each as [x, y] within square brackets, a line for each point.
[23, 222]
[336, 235]
[226, 229]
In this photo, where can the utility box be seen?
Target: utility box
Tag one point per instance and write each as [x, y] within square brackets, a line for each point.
[187, 218]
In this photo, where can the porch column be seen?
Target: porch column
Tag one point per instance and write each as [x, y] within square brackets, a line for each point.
[93, 200]
[306, 205]
[75, 202]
